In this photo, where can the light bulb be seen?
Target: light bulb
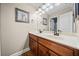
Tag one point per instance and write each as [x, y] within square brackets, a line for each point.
[51, 7]
[43, 7]
[46, 9]
[39, 9]
[47, 4]
[40, 13]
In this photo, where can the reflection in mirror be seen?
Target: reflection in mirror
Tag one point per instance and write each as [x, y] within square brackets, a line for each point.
[76, 17]
[65, 20]
[53, 23]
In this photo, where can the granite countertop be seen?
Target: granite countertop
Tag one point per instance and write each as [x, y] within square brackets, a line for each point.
[68, 40]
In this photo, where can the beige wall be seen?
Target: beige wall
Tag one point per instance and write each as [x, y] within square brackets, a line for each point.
[14, 34]
[0, 29]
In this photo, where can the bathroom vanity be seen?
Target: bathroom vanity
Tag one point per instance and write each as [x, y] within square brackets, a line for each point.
[42, 45]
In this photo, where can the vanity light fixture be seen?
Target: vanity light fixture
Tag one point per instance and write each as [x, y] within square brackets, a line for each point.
[50, 7]
[36, 12]
[39, 9]
[43, 7]
[47, 4]
[40, 13]
[57, 4]
[46, 9]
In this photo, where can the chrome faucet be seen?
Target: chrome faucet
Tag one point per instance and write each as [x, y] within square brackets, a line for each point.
[57, 33]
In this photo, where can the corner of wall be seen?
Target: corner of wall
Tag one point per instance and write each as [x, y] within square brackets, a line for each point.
[20, 52]
[0, 29]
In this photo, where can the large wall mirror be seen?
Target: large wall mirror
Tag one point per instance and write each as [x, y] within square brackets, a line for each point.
[65, 21]
[62, 17]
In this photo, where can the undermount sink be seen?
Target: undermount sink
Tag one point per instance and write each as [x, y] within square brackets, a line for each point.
[52, 36]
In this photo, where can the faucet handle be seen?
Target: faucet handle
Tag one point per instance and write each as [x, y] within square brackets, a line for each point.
[59, 31]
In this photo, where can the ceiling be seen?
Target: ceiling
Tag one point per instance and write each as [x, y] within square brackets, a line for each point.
[61, 8]
[36, 5]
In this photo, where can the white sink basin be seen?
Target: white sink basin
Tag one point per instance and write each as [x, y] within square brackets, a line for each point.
[52, 36]
[60, 37]
[64, 39]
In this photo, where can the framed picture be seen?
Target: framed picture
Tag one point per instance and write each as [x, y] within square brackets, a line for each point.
[21, 16]
[44, 21]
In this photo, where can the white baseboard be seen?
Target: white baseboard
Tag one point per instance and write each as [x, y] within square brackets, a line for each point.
[20, 52]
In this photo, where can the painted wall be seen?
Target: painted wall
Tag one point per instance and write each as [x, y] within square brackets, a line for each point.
[15, 34]
[0, 29]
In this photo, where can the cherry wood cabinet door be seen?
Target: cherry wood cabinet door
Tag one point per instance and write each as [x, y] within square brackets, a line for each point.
[42, 51]
[52, 53]
[33, 46]
[57, 48]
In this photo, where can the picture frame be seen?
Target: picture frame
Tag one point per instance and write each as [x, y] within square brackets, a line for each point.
[21, 16]
[44, 21]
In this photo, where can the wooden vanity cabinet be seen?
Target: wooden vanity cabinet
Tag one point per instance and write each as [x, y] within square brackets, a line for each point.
[51, 53]
[33, 45]
[42, 51]
[57, 48]
[44, 47]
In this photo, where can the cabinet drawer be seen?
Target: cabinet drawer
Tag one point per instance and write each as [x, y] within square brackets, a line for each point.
[33, 37]
[58, 48]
